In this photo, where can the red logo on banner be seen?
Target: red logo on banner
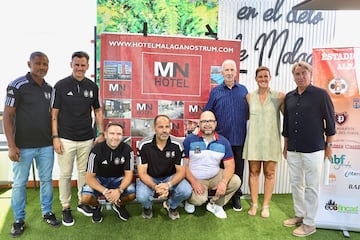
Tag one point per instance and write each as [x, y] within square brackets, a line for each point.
[341, 118]
[171, 74]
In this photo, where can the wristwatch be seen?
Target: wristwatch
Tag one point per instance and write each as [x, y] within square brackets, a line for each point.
[329, 144]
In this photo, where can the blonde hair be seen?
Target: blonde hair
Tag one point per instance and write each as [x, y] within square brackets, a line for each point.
[302, 64]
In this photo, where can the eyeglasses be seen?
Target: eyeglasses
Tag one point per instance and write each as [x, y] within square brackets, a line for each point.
[207, 121]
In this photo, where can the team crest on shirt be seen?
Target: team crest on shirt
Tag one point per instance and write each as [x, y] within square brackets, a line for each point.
[118, 160]
[197, 149]
[47, 95]
[88, 93]
[169, 154]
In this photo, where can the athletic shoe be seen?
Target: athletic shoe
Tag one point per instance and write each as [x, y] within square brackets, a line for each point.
[217, 210]
[147, 213]
[67, 219]
[173, 213]
[85, 209]
[97, 214]
[189, 208]
[121, 212]
[50, 219]
[236, 202]
[17, 228]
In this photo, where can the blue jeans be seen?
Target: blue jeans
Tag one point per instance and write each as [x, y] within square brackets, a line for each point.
[110, 183]
[178, 192]
[44, 158]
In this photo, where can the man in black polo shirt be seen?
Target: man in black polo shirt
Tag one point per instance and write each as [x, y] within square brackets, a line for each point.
[110, 173]
[74, 99]
[28, 132]
[161, 170]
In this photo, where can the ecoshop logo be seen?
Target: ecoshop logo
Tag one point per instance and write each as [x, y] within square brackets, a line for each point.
[333, 206]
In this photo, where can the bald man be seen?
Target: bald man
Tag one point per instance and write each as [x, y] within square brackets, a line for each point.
[203, 155]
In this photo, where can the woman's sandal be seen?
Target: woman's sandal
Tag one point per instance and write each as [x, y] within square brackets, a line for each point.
[265, 213]
[253, 209]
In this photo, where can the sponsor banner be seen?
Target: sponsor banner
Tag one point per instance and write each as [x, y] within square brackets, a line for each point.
[336, 70]
[143, 76]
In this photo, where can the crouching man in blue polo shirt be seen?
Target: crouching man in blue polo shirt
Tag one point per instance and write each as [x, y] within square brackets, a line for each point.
[203, 155]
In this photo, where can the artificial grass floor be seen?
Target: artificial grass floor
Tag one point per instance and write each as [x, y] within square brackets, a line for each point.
[197, 226]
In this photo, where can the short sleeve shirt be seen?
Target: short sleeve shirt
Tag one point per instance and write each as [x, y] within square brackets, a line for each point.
[161, 163]
[204, 159]
[75, 101]
[107, 162]
[32, 103]
[231, 111]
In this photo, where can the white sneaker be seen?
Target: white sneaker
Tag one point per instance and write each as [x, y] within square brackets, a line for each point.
[189, 208]
[217, 210]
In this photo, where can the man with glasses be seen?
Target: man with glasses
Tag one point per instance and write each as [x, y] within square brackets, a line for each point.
[203, 154]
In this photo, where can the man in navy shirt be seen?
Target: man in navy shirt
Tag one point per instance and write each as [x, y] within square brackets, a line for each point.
[28, 133]
[308, 117]
[228, 102]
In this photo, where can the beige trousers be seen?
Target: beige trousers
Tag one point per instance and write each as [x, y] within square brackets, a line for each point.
[232, 187]
[73, 150]
[305, 173]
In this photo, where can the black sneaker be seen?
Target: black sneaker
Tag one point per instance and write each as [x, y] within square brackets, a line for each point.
[147, 213]
[85, 209]
[67, 219]
[236, 202]
[50, 219]
[121, 212]
[173, 213]
[97, 214]
[17, 228]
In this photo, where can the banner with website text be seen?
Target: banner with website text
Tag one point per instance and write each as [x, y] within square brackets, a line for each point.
[338, 71]
[142, 76]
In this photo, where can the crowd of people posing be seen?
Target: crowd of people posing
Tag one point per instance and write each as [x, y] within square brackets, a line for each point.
[204, 168]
